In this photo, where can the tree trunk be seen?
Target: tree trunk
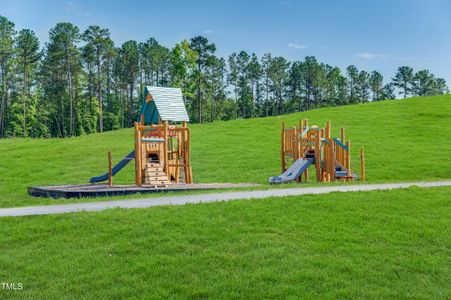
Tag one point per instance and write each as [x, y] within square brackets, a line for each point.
[3, 105]
[2, 115]
[90, 91]
[108, 97]
[76, 121]
[121, 96]
[62, 117]
[199, 103]
[213, 112]
[24, 95]
[99, 95]
[71, 115]
[131, 105]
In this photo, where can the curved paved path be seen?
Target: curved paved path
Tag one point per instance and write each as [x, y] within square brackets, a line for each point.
[204, 198]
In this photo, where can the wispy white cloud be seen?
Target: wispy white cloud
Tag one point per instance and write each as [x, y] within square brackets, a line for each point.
[208, 31]
[367, 55]
[74, 8]
[296, 46]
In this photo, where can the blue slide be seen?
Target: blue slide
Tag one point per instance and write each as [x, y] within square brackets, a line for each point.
[116, 168]
[294, 171]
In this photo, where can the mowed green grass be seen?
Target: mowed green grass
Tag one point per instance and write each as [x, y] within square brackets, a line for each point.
[404, 140]
[374, 245]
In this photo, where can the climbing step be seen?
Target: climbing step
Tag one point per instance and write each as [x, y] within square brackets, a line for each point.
[157, 178]
[153, 165]
[154, 174]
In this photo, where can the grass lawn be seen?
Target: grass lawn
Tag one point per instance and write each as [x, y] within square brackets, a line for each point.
[380, 244]
[405, 140]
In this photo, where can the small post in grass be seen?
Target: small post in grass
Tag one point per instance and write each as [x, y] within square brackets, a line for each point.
[283, 148]
[362, 165]
[110, 169]
[348, 158]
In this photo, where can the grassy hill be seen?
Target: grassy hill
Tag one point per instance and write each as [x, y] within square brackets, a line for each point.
[379, 244]
[403, 140]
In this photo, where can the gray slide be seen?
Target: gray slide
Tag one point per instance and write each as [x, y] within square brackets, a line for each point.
[294, 171]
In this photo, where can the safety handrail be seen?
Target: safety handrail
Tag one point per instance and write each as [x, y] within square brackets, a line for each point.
[339, 143]
[304, 132]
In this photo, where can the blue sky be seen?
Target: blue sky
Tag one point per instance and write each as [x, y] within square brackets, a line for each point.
[379, 35]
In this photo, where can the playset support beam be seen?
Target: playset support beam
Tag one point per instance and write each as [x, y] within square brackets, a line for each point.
[362, 165]
[283, 148]
[327, 130]
[110, 169]
[165, 148]
[348, 157]
[138, 172]
[319, 177]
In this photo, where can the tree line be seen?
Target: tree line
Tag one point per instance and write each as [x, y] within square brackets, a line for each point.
[80, 82]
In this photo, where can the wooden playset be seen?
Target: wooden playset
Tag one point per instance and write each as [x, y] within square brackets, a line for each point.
[311, 145]
[162, 141]
[162, 149]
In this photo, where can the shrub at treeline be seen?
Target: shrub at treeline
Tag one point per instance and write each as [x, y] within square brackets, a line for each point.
[80, 82]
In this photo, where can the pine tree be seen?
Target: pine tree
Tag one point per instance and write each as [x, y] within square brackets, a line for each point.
[98, 39]
[6, 62]
[27, 57]
[423, 83]
[205, 53]
[60, 68]
[388, 91]
[255, 75]
[376, 82]
[130, 59]
[363, 86]
[278, 77]
[353, 73]
[404, 80]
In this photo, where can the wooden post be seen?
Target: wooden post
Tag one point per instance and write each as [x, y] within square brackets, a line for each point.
[327, 130]
[110, 169]
[298, 139]
[177, 180]
[190, 175]
[333, 174]
[184, 146]
[319, 174]
[362, 165]
[188, 154]
[138, 155]
[165, 149]
[283, 148]
[348, 157]
[294, 143]
[342, 151]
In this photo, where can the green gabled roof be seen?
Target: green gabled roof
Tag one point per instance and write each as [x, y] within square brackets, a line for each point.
[167, 103]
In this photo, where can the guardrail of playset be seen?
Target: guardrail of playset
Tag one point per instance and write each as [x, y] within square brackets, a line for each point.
[165, 131]
[296, 141]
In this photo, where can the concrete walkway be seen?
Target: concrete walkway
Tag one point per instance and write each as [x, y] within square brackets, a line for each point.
[225, 196]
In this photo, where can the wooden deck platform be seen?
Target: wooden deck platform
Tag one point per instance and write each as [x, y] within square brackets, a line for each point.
[101, 190]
